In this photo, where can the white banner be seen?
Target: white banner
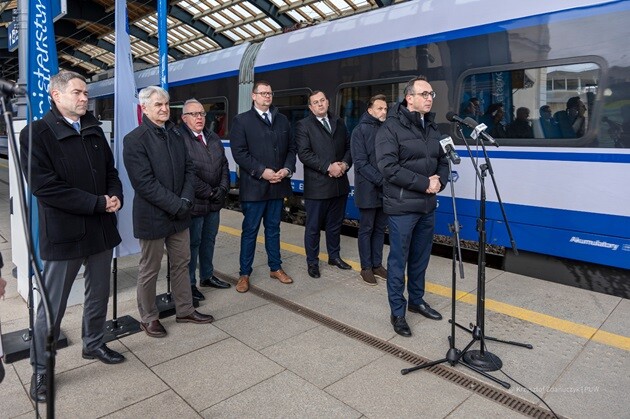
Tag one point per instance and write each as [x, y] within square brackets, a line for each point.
[126, 118]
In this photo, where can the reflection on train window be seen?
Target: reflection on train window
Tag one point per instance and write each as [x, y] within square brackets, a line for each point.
[216, 115]
[553, 102]
[292, 103]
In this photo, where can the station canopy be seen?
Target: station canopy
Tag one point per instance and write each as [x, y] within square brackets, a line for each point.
[85, 35]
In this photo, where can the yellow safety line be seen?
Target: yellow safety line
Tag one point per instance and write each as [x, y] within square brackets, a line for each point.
[566, 326]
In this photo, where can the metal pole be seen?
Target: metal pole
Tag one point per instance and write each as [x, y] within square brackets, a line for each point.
[22, 57]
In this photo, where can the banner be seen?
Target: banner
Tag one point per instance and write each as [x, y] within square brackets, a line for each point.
[126, 118]
[41, 65]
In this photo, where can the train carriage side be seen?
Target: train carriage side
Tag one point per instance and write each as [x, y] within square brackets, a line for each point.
[555, 199]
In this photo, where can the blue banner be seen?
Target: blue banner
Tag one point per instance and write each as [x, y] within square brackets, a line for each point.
[42, 56]
[162, 13]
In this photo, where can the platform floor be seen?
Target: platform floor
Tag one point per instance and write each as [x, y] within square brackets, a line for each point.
[262, 359]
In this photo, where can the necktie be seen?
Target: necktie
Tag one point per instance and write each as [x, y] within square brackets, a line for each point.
[326, 125]
[422, 122]
[266, 118]
[76, 126]
[200, 138]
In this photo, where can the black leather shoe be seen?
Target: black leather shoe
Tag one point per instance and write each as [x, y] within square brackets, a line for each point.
[196, 294]
[214, 282]
[425, 310]
[38, 387]
[400, 326]
[313, 271]
[339, 263]
[104, 354]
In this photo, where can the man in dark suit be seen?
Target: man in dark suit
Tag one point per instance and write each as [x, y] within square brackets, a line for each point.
[78, 193]
[212, 182]
[265, 152]
[324, 148]
[368, 190]
[163, 177]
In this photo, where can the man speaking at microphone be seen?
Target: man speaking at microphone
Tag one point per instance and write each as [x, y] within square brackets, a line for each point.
[415, 169]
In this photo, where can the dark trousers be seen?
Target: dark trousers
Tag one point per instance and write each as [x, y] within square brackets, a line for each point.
[327, 214]
[59, 275]
[270, 213]
[410, 241]
[371, 237]
[203, 234]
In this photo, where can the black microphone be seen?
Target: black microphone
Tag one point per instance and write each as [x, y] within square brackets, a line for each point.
[449, 148]
[474, 125]
[8, 88]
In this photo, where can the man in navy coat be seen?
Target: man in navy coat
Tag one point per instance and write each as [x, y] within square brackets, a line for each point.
[263, 148]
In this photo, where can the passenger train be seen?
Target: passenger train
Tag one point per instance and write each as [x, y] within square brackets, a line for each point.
[566, 197]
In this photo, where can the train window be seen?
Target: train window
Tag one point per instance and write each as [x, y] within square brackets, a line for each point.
[216, 114]
[525, 106]
[292, 103]
[353, 100]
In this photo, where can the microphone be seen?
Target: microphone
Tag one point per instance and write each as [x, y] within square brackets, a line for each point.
[8, 88]
[449, 148]
[474, 125]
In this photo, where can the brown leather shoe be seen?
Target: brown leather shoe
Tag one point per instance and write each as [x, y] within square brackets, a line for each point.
[154, 329]
[368, 276]
[243, 284]
[281, 276]
[380, 271]
[195, 317]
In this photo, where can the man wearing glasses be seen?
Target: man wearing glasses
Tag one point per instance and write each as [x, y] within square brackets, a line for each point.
[263, 148]
[324, 148]
[212, 183]
[414, 169]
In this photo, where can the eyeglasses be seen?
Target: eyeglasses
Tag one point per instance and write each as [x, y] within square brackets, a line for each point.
[264, 94]
[425, 95]
[195, 114]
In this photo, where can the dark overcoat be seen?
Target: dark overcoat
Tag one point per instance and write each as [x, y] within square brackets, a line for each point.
[211, 169]
[71, 173]
[161, 173]
[257, 146]
[317, 149]
[368, 181]
[407, 156]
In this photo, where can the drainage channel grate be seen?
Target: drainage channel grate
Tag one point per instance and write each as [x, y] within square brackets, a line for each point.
[499, 396]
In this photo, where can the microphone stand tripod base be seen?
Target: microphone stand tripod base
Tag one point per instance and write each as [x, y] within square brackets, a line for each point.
[485, 361]
[17, 345]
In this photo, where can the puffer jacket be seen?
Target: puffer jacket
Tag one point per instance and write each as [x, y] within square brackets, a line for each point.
[407, 156]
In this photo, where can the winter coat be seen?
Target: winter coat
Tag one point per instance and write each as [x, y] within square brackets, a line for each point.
[71, 173]
[368, 181]
[317, 149]
[211, 169]
[162, 174]
[407, 156]
[257, 146]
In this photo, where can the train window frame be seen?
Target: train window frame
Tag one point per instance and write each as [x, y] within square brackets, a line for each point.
[590, 136]
[205, 101]
[388, 81]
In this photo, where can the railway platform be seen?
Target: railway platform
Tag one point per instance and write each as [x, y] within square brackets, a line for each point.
[325, 348]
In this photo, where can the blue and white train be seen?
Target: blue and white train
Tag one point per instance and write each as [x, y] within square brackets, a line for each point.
[564, 197]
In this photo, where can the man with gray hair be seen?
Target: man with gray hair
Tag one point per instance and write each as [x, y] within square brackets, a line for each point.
[78, 193]
[162, 175]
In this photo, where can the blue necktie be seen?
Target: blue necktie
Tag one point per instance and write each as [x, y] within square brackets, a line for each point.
[266, 118]
[76, 126]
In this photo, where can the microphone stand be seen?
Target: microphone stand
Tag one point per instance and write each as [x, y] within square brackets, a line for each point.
[453, 354]
[50, 337]
[482, 360]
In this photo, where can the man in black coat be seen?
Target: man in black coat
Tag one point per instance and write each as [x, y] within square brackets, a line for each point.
[414, 169]
[265, 152]
[368, 190]
[78, 193]
[324, 148]
[212, 182]
[163, 177]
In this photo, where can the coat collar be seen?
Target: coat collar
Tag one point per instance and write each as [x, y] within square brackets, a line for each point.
[61, 129]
